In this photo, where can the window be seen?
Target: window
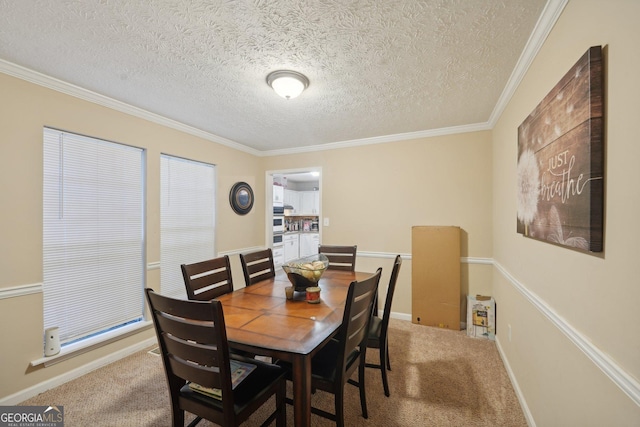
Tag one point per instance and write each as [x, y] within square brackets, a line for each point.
[187, 219]
[93, 234]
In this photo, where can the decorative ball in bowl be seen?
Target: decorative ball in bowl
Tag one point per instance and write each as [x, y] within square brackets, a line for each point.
[305, 272]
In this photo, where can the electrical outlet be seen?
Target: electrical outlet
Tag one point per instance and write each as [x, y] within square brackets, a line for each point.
[326, 221]
[509, 332]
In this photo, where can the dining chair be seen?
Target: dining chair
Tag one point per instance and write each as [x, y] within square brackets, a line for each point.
[195, 354]
[257, 266]
[208, 279]
[334, 364]
[378, 328]
[340, 257]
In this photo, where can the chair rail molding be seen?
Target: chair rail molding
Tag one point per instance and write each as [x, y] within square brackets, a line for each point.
[19, 291]
[629, 385]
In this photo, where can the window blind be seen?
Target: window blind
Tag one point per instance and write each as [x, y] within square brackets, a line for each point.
[93, 234]
[187, 219]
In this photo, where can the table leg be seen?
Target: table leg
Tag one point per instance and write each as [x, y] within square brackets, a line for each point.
[302, 390]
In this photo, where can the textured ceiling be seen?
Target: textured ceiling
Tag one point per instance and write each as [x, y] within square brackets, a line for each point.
[376, 67]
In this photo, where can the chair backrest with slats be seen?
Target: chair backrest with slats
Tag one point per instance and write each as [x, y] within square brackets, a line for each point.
[357, 314]
[340, 257]
[257, 266]
[193, 344]
[208, 279]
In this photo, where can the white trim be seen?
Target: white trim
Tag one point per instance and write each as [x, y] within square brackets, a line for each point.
[516, 387]
[390, 255]
[19, 291]
[49, 82]
[153, 265]
[629, 385]
[41, 387]
[399, 316]
[547, 20]
[454, 130]
[240, 251]
[476, 260]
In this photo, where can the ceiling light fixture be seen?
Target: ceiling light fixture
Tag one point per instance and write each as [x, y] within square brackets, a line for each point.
[287, 84]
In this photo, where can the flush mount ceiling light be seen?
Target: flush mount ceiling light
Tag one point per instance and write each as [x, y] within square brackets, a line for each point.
[287, 84]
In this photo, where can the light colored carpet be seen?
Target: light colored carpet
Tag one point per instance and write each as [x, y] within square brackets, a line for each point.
[438, 378]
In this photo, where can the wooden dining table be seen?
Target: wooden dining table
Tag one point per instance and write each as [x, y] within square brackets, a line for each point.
[261, 320]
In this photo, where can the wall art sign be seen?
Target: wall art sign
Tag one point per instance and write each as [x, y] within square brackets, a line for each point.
[560, 171]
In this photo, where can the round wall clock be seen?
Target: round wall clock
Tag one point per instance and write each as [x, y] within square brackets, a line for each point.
[241, 198]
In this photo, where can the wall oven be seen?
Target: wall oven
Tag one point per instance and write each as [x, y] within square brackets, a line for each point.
[277, 240]
[278, 224]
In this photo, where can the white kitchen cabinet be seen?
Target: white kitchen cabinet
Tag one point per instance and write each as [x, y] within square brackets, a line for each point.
[309, 244]
[309, 202]
[291, 247]
[292, 198]
[278, 194]
[278, 255]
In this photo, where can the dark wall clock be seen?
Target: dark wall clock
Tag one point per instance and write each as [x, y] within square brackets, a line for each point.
[241, 198]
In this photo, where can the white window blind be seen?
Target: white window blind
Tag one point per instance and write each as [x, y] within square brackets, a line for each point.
[93, 234]
[187, 219]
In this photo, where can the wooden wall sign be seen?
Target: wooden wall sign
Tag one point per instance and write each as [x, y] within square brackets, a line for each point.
[560, 172]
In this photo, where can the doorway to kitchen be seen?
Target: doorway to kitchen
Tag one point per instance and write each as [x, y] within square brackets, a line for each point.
[293, 213]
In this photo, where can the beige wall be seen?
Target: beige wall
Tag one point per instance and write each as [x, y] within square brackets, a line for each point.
[592, 297]
[372, 201]
[24, 109]
[374, 194]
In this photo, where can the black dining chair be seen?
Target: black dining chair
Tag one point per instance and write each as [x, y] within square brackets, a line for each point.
[257, 266]
[340, 257]
[378, 328]
[195, 354]
[208, 279]
[334, 364]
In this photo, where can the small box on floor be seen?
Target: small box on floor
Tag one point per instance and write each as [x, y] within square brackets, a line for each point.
[481, 317]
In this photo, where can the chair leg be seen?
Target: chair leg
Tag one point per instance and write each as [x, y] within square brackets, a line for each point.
[177, 417]
[281, 407]
[388, 360]
[339, 406]
[363, 396]
[384, 362]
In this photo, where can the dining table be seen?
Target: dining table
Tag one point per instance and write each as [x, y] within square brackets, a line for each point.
[261, 320]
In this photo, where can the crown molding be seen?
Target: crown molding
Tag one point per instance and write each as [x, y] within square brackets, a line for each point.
[49, 82]
[381, 139]
[547, 20]
[545, 23]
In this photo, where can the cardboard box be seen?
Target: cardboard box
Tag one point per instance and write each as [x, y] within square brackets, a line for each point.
[435, 276]
[481, 317]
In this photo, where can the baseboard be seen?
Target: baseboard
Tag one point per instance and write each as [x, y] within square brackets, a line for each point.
[30, 392]
[629, 385]
[399, 316]
[516, 387]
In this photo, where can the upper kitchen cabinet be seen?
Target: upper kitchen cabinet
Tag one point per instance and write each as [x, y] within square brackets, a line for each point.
[278, 194]
[292, 198]
[309, 202]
